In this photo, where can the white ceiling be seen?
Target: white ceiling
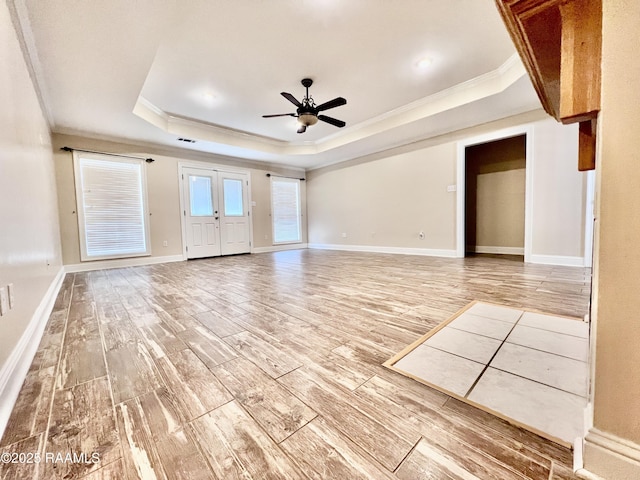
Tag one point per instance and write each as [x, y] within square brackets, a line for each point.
[155, 70]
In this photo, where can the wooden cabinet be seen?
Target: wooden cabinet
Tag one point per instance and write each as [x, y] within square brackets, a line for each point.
[559, 42]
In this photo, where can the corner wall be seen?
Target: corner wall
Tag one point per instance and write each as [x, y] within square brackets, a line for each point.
[612, 445]
[30, 255]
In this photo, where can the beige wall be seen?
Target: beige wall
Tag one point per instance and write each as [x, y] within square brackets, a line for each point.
[385, 200]
[163, 194]
[29, 238]
[559, 191]
[500, 220]
[617, 261]
[495, 194]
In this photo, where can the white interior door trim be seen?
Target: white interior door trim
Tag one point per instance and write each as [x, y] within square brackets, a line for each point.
[218, 168]
[589, 218]
[460, 183]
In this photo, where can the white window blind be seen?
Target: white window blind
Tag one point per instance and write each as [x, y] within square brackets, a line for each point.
[285, 210]
[112, 206]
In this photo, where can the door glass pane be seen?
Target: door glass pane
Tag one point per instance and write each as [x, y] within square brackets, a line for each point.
[232, 197]
[200, 195]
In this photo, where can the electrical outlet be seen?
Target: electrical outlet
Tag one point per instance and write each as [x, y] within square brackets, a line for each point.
[4, 301]
[165, 244]
[421, 235]
[10, 289]
[344, 235]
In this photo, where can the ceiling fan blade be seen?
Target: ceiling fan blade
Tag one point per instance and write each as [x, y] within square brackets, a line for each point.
[279, 115]
[336, 102]
[332, 121]
[302, 129]
[291, 98]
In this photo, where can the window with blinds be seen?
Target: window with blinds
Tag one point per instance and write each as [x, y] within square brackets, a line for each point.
[112, 206]
[285, 210]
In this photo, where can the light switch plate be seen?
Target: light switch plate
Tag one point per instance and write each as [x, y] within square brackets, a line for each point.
[10, 290]
[451, 188]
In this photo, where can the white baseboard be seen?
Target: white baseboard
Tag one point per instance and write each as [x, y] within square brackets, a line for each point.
[608, 456]
[121, 263]
[430, 252]
[500, 250]
[15, 369]
[557, 260]
[588, 418]
[578, 444]
[280, 248]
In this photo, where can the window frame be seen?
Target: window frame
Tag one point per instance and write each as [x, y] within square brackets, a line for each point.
[275, 178]
[80, 204]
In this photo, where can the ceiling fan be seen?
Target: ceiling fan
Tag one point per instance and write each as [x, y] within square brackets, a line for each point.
[307, 111]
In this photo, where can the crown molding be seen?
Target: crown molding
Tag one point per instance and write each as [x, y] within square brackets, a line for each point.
[22, 25]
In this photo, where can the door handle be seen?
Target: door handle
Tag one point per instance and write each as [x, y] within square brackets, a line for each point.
[216, 218]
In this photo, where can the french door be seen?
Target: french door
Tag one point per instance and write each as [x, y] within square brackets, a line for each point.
[216, 212]
[234, 213]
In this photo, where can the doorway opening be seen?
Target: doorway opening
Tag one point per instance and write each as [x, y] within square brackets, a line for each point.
[495, 197]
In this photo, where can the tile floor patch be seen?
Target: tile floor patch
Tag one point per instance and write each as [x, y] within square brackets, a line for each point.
[544, 408]
[538, 368]
[555, 324]
[453, 373]
[551, 342]
[552, 370]
[496, 312]
[488, 327]
[464, 344]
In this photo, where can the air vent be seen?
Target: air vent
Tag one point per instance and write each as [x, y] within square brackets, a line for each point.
[188, 140]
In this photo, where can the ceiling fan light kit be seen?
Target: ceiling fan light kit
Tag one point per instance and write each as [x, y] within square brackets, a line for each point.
[307, 110]
[307, 119]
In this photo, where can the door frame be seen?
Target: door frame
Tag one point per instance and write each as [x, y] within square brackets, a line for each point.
[590, 214]
[217, 168]
[526, 130]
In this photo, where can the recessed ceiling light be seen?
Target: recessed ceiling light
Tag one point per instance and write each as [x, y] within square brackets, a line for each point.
[424, 62]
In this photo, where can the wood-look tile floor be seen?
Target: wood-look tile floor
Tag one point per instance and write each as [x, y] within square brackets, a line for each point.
[269, 366]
